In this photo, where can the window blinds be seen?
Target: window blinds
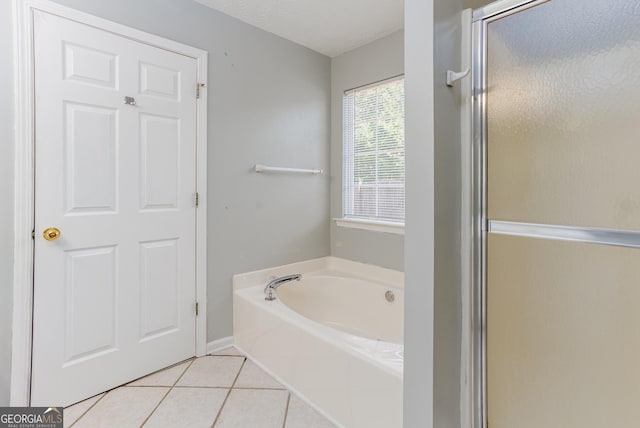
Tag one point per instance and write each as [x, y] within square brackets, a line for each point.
[373, 144]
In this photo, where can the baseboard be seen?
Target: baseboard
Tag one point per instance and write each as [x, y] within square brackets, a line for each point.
[220, 344]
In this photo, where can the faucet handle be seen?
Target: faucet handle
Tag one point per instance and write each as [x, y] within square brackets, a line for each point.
[270, 296]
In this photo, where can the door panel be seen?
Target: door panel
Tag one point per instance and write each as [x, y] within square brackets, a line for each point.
[159, 81]
[90, 181]
[114, 296]
[160, 287]
[160, 168]
[562, 114]
[88, 65]
[89, 329]
[563, 342]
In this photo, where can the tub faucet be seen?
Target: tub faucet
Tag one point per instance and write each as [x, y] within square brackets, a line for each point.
[277, 282]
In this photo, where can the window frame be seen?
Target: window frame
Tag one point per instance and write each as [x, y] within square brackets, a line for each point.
[371, 224]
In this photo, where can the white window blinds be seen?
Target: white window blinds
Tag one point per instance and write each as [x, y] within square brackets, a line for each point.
[373, 144]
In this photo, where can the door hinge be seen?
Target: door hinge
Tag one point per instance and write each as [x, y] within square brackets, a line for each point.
[197, 199]
[198, 86]
[197, 308]
[33, 234]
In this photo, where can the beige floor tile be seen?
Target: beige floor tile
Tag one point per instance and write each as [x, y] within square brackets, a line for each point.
[166, 377]
[212, 372]
[188, 407]
[231, 350]
[301, 415]
[254, 408]
[252, 376]
[72, 413]
[123, 408]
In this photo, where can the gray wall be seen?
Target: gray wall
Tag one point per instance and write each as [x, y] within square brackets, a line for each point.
[448, 222]
[268, 103]
[375, 61]
[474, 4]
[432, 249]
[419, 225]
[6, 196]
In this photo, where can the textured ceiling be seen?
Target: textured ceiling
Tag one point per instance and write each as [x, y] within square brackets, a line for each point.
[330, 27]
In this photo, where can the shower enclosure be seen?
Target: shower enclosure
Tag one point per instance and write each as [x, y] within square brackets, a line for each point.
[556, 265]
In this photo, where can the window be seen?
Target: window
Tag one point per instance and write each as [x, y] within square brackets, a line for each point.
[373, 144]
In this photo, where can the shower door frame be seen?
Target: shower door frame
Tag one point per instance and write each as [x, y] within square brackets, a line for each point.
[480, 225]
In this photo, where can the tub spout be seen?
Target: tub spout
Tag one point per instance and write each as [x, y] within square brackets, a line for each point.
[277, 282]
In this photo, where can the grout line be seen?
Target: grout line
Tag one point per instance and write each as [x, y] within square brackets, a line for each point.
[87, 411]
[223, 355]
[126, 385]
[104, 394]
[185, 370]
[199, 387]
[228, 393]
[145, 386]
[157, 405]
[221, 387]
[286, 411]
[267, 388]
[167, 393]
[129, 384]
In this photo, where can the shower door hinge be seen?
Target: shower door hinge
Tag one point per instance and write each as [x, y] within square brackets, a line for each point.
[198, 86]
[197, 199]
[197, 309]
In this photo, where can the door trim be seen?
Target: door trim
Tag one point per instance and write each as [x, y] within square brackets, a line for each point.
[593, 235]
[24, 121]
[481, 226]
[476, 203]
[503, 8]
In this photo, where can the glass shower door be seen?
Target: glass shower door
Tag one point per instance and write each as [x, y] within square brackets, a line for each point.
[560, 87]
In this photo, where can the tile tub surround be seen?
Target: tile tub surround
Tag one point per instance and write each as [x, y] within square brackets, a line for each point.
[220, 390]
[356, 382]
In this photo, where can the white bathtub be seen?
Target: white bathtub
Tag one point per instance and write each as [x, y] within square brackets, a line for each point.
[332, 337]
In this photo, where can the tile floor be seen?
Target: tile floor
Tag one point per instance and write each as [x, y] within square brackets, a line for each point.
[223, 390]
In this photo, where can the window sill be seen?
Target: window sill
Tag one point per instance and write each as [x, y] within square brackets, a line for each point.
[372, 225]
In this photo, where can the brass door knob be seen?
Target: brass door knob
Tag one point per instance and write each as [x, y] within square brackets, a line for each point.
[51, 233]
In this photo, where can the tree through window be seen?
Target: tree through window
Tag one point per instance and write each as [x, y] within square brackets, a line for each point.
[373, 144]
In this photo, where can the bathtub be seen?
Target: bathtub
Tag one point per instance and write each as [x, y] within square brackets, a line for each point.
[335, 337]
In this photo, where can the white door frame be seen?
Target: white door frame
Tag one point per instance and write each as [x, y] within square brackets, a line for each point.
[24, 171]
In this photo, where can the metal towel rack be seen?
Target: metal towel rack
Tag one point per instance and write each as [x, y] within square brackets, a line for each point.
[264, 168]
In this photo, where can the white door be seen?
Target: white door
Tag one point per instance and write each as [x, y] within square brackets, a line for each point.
[114, 294]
